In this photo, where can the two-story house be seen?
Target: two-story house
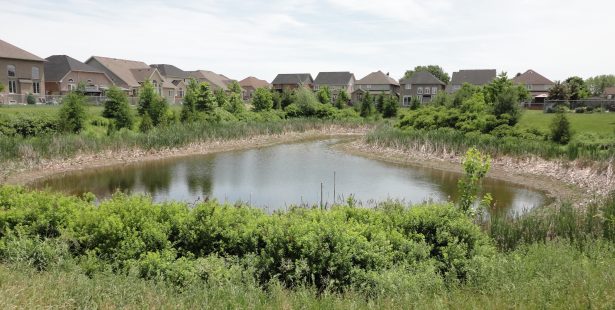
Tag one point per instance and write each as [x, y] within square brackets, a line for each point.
[292, 81]
[22, 73]
[421, 85]
[63, 74]
[176, 76]
[473, 77]
[536, 84]
[250, 85]
[336, 81]
[375, 83]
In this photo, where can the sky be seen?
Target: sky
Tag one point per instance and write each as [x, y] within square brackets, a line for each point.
[240, 38]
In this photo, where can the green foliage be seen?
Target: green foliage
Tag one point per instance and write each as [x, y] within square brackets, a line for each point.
[437, 71]
[324, 95]
[560, 129]
[146, 123]
[189, 112]
[342, 99]
[559, 91]
[306, 102]
[30, 99]
[205, 99]
[152, 104]
[380, 102]
[27, 125]
[287, 97]
[1, 87]
[505, 97]
[577, 88]
[415, 103]
[475, 167]
[597, 84]
[235, 88]
[390, 108]
[221, 97]
[118, 109]
[465, 92]
[367, 105]
[72, 115]
[236, 105]
[262, 100]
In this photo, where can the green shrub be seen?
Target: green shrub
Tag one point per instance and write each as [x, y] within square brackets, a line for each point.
[560, 129]
[30, 99]
[72, 115]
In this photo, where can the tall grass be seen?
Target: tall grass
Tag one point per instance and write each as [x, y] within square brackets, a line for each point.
[451, 141]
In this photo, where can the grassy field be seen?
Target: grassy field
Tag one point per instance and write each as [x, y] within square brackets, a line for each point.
[600, 126]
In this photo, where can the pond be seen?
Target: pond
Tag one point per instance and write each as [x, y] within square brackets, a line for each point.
[279, 176]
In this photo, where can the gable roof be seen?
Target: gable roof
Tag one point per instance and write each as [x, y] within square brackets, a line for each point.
[531, 77]
[293, 78]
[58, 66]
[334, 78]
[377, 78]
[609, 91]
[422, 78]
[122, 68]
[254, 83]
[211, 77]
[8, 50]
[143, 74]
[474, 77]
[171, 71]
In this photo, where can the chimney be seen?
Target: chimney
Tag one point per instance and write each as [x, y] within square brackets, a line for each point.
[387, 74]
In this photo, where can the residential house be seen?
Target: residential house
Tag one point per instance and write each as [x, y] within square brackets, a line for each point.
[473, 77]
[21, 73]
[63, 73]
[215, 81]
[292, 81]
[609, 93]
[375, 83]
[130, 75]
[536, 84]
[422, 85]
[336, 81]
[178, 77]
[250, 84]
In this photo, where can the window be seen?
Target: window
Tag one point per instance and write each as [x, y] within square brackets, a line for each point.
[434, 90]
[10, 70]
[407, 101]
[180, 92]
[90, 82]
[35, 73]
[529, 87]
[170, 93]
[456, 87]
[36, 87]
[12, 86]
[368, 86]
[408, 86]
[427, 91]
[316, 87]
[419, 90]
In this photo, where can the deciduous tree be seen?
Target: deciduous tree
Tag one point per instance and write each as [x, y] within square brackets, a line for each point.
[118, 109]
[437, 71]
[262, 100]
[72, 115]
[597, 84]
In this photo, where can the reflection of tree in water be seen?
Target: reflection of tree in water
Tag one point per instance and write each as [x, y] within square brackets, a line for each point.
[156, 177]
[199, 177]
[124, 180]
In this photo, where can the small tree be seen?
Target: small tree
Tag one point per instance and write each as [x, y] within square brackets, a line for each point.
[367, 105]
[205, 99]
[221, 97]
[118, 109]
[559, 91]
[342, 99]
[390, 108]
[380, 102]
[235, 104]
[475, 166]
[146, 123]
[415, 103]
[147, 96]
[72, 115]
[30, 99]
[288, 97]
[262, 100]
[560, 129]
[324, 95]
[189, 113]
[235, 88]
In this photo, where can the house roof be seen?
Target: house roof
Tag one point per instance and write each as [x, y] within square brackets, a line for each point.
[377, 78]
[333, 78]
[531, 77]
[422, 78]
[8, 50]
[475, 77]
[609, 91]
[58, 66]
[293, 78]
[143, 74]
[123, 69]
[211, 77]
[254, 83]
[171, 71]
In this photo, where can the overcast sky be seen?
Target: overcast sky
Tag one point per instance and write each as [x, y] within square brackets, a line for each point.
[238, 38]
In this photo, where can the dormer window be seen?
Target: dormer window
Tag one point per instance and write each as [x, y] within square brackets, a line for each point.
[10, 71]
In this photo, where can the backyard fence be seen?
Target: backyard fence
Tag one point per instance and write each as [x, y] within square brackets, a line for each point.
[585, 104]
[57, 99]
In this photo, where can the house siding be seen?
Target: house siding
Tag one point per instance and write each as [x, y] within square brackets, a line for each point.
[414, 92]
[23, 71]
[62, 87]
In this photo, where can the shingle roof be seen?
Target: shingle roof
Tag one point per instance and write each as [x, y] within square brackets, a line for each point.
[58, 66]
[422, 78]
[8, 50]
[475, 77]
[171, 71]
[142, 74]
[212, 78]
[531, 77]
[293, 78]
[254, 83]
[609, 91]
[122, 68]
[333, 78]
[377, 78]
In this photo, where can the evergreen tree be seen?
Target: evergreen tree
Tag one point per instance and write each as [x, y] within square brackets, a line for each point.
[147, 96]
[380, 103]
[205, 99]
[72, 115]
[560, 129]
[221, 97]
[324, 95]
[235, 104]
[146, 123]
[189, 113]
[235, 88]
[391, 107]
[367, 105]
[262, 100]
[342, 100]
[118, 109]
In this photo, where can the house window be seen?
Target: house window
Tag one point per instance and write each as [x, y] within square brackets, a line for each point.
[427, 91]
[368, 86]
[90, 82]
[408, 86]
[10, 70]
[316, 87]
[407, 100]
[419, 90]
[434, 90]
[456, 87]
[36, 87]
[170, 93]
[529, 87]
[12, 86]
[180, 93]
[35, 73]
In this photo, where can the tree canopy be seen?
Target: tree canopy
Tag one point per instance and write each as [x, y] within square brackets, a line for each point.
[117, 108]
[597, 84]
[436, 70]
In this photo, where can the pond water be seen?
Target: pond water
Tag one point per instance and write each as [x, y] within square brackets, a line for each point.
[279, 176]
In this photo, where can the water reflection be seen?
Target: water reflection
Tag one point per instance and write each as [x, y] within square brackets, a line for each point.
[282, 175]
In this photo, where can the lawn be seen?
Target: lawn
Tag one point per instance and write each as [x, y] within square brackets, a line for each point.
[595, 126]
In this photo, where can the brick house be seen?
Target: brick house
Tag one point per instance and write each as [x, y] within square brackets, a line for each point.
[22, 73]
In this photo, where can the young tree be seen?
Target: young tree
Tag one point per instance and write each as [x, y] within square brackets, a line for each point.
[597, 84]
[146, 123]
[380, 102]
[560, 129]
[390, 107]
[118, 109]
[235, 104]
[277, 99]
[147, 97]
[559, 91]
[465, 92]
[235, 88]
[324, 95]
[367, 105]
[30, 99]
[576, 88]
[415, 103]
[205, 99]
[72, 115]
[288, 97]
[189, 113]
[475, 166]
[221, 97]
[262, 100]
[342, 99]
[437, 71]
